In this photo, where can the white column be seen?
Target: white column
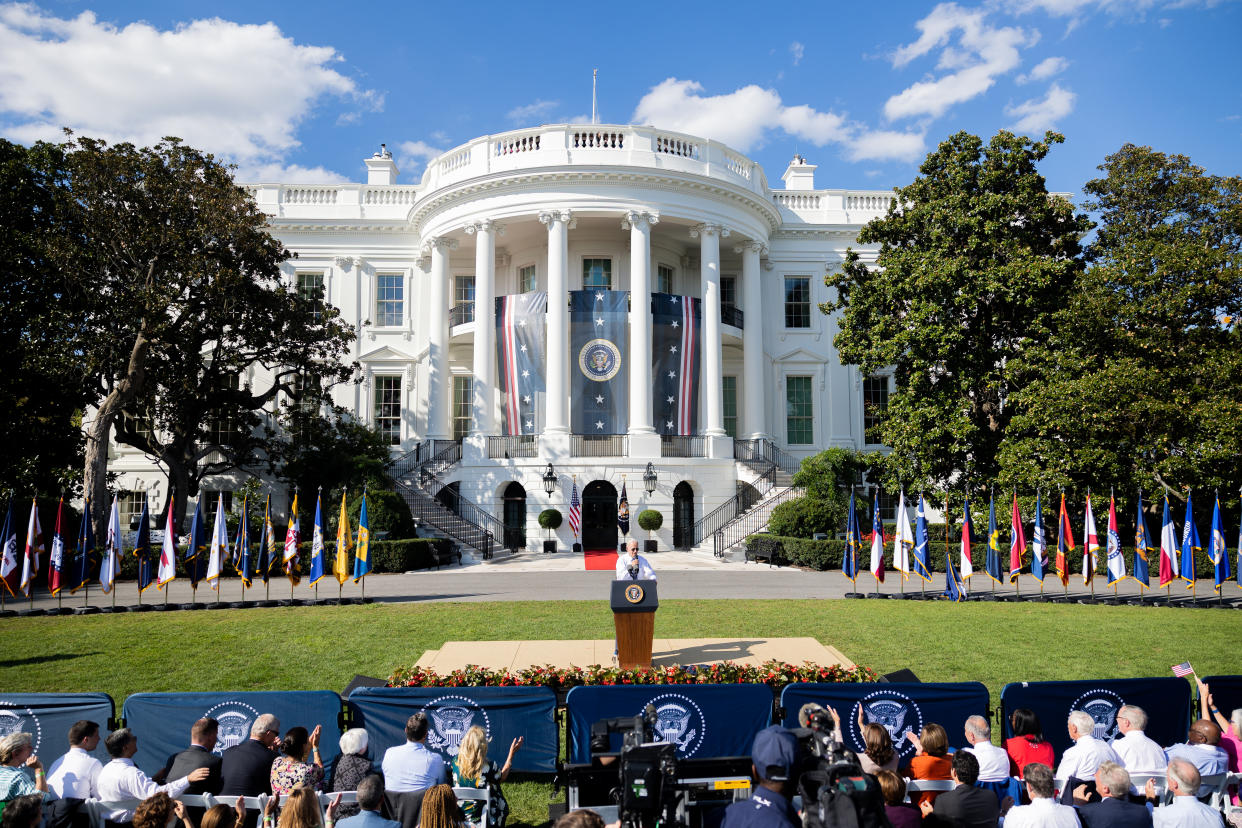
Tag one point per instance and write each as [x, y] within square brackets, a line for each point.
[752, 340]
[485, 233]
[709, 236]
[640, 326]
[556, 418]
[439, 386]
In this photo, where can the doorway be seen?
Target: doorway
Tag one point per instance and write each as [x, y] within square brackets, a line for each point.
[683, 516]
[599, 515]
[515, 516]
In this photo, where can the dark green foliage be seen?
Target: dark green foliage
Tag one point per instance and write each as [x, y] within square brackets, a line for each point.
[550, 519]
[650, 520]
[802, 517]
[386, 512]
[331, 450]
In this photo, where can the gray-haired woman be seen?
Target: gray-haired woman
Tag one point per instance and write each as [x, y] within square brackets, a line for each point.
[21, 772]
[351, 766]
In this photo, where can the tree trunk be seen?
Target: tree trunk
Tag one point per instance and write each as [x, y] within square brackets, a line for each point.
[179, 484]
[95, 482]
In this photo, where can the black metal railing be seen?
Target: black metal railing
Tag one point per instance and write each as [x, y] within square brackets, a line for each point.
[731, 315]
[735, 506]
[599, 445]
[461, 314]
[460, 527]
[524, 445]
[680, 445]
[751, 522]
[760, 453]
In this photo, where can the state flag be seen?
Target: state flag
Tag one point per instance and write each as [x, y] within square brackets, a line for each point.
[1017, 541]
[10, 566]
[56, 563]
[1190, 545]
[340, 566]
[968, 531]
[362, 550]
[1065, 543]
[1168, 545]
[1090, 543]
[142, 548]
[1039, 543]
[877, 539]
[113, 549]
[1116, 561]
[317, 564]
[903, 538]
[167, 570]
[1141, 547]
[922, 543]
[34, 548]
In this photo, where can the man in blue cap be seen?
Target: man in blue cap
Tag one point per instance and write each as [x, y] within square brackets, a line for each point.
[773, 757]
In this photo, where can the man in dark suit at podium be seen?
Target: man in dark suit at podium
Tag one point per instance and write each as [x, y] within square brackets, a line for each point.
[633, 566]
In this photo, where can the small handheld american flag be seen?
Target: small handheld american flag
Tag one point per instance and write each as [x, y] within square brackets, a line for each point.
[1184, 669]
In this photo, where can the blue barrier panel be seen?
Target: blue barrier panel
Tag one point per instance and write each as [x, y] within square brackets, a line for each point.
[1166, 700]
[162, 721]
[901, 708]
[48, 716]
[1226, 694]
[503, 712]
[702, 719]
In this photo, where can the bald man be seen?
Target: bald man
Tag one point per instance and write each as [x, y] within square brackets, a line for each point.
[1202, 749]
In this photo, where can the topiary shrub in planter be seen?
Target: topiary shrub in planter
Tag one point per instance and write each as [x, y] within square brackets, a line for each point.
[651, 520]
[550, 521]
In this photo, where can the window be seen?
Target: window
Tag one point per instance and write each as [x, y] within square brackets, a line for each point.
[463, 290]
[729, 387]
[141, 421]
[208, 498]
[798, 420]
[388, 409]
[875, 402]
[310, 287]
[728, 292]
[224, 419]
[129, 504]
[797, 301]
[526, 279]
[597, 274]
[389, 300]
[664, 279]
[463, 405]
[888, 509]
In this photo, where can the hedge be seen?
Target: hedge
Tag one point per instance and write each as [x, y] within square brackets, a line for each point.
[823, 555]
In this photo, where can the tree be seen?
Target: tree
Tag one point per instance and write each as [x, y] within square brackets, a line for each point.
[826, 477]
[974, 258]
[178, 286]
[331, 451]
[1140, 383]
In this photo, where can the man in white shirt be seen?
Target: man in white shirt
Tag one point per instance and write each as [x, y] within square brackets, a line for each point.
[1185, 811]
[412, 767]
[76, 774]
[1044, 811]
[122, 786]
[993, 760]
[1139, 754]
[633, 566]
[1202, 749]
[1087, 754]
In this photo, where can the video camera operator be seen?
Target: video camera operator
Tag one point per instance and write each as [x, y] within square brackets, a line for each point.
[774, 757]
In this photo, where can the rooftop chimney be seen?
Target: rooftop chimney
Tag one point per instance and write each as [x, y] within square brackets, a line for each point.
[381, 169]
[799, 175]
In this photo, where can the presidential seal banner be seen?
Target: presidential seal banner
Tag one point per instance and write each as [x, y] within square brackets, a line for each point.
[676, 342]
[599, 339]
[521, 341]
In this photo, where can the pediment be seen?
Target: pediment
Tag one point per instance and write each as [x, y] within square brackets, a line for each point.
[801, 355]
[387, 353]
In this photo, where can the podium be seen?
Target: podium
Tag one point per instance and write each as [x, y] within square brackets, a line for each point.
[633, 613]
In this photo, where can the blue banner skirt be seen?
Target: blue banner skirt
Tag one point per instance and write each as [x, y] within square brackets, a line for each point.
[901, 708]
[504, 713]
[704, 720]
[47, 717]
[1166, 701]
[162, 721]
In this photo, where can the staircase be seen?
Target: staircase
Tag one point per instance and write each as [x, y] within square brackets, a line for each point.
[748, 511]
[416, 476]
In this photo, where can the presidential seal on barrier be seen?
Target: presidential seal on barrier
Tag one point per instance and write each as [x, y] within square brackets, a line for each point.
[599, 360]
[634, 594]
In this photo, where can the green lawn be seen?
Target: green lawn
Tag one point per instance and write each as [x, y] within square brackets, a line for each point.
[317, 648]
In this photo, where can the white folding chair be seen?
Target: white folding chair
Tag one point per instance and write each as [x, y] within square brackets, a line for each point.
[480, 795]
[1138, 782]
[96, 812]
[1212, 789]
[918, 786]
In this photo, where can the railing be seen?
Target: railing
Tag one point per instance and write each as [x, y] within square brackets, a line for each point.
[516, 143]
[677, 445]
[599, 445]
[524, 445]
[731, 315]
[760, 453]
[388, 196]
[599, 140]
[797, 200]
[753, 521]
[461, 314]
[674, 145]
[447, 456]
[311, 195]
[451, 522]
[728, 511]
[868, 202]
[416, 475]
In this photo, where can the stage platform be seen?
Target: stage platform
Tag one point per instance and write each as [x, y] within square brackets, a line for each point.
[515, 655]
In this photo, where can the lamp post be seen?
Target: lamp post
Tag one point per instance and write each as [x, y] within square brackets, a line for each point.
[549, 480]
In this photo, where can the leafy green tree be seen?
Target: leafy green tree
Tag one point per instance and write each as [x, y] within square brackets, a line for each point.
[974, 258]
[827, 477]
[1140, 383]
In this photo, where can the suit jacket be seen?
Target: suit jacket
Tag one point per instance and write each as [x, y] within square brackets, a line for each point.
[191, 759]
[966, 807]
[247, 769]
[1114, 813]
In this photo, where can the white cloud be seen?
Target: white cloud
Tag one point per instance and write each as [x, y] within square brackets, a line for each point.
[531, 112]
[885, 145]
[411, 155]
[1043, 70]
[276, 172]
[239, 91]
[797, 50]
[980, 54]
[1038, 114]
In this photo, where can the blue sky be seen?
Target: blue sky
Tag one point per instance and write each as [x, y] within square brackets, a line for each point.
[304, 91]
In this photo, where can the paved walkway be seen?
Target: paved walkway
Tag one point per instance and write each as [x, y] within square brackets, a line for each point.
[561, 576]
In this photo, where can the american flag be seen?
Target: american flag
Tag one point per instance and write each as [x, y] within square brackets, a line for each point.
[575, 509]
[1184, 669]
[520, 342]
[676, 337]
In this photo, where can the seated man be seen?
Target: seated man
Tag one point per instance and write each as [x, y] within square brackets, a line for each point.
[633, 566]
[1185, 811]
[1202, 749]
[76, 774]
[965, 806]
[412, 767]
[1138, 752]
[246, 769]
[993, 760]
[122, 786]
[370, 798]
[1087, 753]
[203, 736]
[1044, 811]
[1112, 783]
[773, 756]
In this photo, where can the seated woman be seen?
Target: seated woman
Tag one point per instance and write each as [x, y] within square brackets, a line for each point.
[351, 767]
[159, 810]
[931, 762]
[439, 809]
[899, 812]
[301, 810]
[879, 754]
[25, 812]
[222, 816]
[292, 769]
[472, 770]
[21, 772]
[1027, 744]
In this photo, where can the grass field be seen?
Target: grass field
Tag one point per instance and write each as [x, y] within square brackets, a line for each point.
[322, 648]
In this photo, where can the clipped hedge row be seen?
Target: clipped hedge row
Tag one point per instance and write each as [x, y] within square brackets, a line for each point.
[822, 555]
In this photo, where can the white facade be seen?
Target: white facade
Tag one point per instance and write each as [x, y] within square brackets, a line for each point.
[668, 212]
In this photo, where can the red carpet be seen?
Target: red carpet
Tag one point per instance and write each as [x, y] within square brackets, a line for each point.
[602, 559]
